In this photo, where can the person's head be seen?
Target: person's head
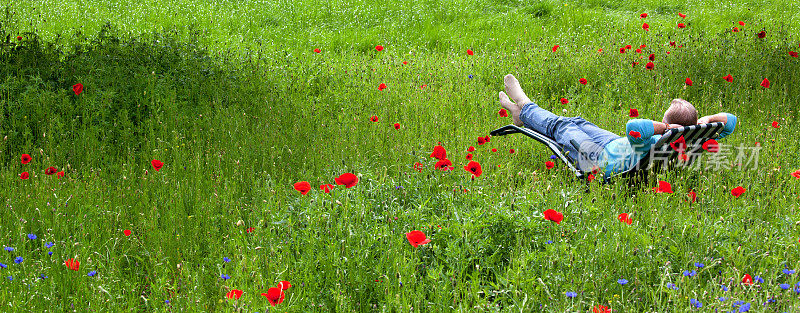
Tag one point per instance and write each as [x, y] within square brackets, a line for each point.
[680, 112]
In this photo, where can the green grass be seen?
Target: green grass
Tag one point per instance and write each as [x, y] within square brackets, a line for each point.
[232, 98]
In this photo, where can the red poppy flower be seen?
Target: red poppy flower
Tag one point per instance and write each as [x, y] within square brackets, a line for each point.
[600, 50]
[747, 280]
[50, 171]
[553, 215]
[511, 151]
[711, 146]
[643, 15]
[590, 178]
[796, 174]
[379, 48]
[439, 152]
[418, 167]
[326, 188]
[692, 196]
[679, 144]
[487, 138]
[672, 43]
[682, 15]
[470, 52]
[635, 134]
[601, 309]
[24, 175]
[317, 50]
[285, 285]
[628, 47]
[470, 149]
[481, 140]
[503, 113]
[250, 230]
[736, 29]
[373, 118]
[683, 157]
[663, 187]
[793, 54]
[443, 164]
[728, 78]
[126, 232]
[303, 187]
[638, 50]
[633, 113]
[494, 149]
[621, 50]
[549, 164]
[347, 179]
[397, 126]
[564, 101]
[19, 38]
[625, 218]
[634, 64]
[762, 34]
[738, 191]
[405, 62]
[236, 293]
[274, 295]
[650, 66]
[382, 86]
[775, 125]
[741, 23]
[681, 25]
[646, 27]
[555, 48]
[652, 57]
[417, 238]
[474, 168]
[469, 156]
[25, 158]
[72, 264]
[157, 165]
[423, 86]
[60, 174]
[689, 81]
[765, 83]
[643, 46]
[77, 88]
[583, 81]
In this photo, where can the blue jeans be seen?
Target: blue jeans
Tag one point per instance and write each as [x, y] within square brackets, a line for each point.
[592, 139]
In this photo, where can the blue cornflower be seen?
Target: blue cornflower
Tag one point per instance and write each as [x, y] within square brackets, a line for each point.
[10, 278]
[796, 289]
[571, 294]
[549, 242]
[699, 265]
[770, 300]
[695, 303]
[3, 265]
[49, 245]
[758, 279]
[50, 253]
[721, 299]
[784, 286]
[745, 307]
[9, 249]
[42, 276]
[225, 277]
[166, 301]
[32, 236]
[553, 157]
[226, 259]
[690, 274]
[92, 273]
[622, 281]
[724, 288]
[788, 271]
[672, 286]
[398, 187]
[470, 76]
[737, 303]
[18, 260]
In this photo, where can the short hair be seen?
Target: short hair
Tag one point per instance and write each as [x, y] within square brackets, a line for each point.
[681, 112]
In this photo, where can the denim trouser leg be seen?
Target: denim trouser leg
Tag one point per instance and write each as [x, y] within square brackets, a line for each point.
[562, 129]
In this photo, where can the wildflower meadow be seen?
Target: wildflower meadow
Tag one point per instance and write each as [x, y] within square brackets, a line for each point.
[336, 156]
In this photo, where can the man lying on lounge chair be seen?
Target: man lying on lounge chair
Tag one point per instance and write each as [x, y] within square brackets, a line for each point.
[605, 149]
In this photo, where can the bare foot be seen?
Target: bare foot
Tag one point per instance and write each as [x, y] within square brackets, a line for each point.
[511, 107]
[515, 91]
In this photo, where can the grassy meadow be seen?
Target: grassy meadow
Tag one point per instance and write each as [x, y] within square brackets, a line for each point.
[234, 100]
